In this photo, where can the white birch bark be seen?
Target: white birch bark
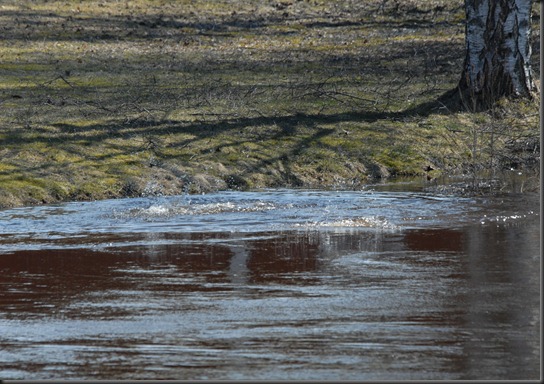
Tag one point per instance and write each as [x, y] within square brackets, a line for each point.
[498, 54]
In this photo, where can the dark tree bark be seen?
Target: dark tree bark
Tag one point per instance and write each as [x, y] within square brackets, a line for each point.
[498, 52]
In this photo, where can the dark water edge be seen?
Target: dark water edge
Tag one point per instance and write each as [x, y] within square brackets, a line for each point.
[423, 303]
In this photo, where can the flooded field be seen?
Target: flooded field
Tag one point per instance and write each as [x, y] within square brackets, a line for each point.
[386, 283]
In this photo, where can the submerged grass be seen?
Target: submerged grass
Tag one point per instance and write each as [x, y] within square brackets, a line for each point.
[109, 99]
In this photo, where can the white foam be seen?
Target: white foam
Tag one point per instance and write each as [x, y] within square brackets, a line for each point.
[355, 222]
[161, 210]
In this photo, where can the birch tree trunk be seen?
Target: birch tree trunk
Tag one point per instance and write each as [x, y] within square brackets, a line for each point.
[498, 52]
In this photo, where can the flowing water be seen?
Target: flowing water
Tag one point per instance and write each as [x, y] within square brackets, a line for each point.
[385, 283]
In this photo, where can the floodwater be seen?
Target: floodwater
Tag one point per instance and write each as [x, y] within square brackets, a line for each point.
[383, 283]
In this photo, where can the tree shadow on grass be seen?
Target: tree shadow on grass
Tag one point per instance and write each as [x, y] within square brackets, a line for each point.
[195, 143]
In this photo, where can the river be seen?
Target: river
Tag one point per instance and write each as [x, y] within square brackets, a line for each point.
[380, 284]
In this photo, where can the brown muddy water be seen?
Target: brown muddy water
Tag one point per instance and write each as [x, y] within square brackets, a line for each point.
[385, 283]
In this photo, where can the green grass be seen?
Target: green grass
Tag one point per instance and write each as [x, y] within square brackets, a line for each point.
[110, 99]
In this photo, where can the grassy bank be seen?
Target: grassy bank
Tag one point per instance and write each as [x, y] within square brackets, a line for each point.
[106, 99]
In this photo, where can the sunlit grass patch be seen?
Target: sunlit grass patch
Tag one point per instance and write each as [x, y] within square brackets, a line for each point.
[108, 99]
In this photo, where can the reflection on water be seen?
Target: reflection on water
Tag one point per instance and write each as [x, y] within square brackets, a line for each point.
[418, 302]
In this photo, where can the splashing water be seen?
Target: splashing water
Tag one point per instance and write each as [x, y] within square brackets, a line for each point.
[243, 212]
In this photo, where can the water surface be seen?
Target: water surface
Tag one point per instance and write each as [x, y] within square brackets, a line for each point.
[278, 284]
